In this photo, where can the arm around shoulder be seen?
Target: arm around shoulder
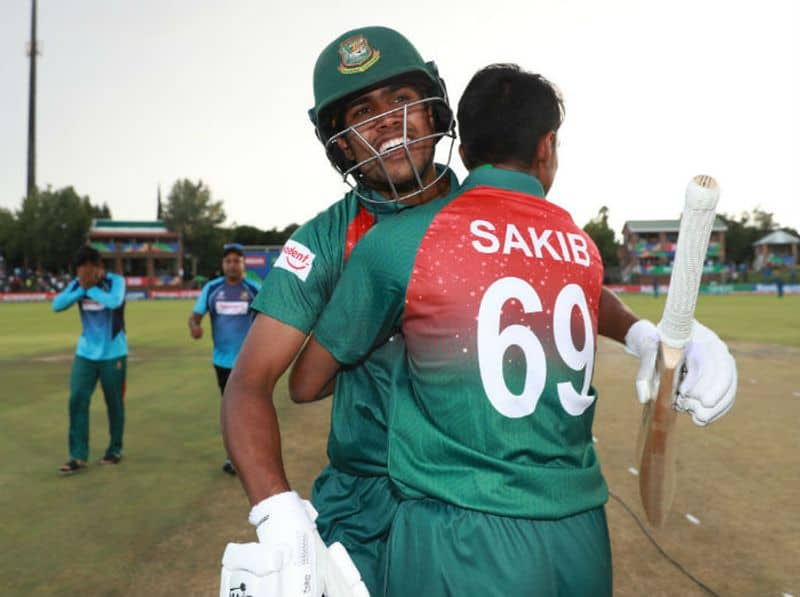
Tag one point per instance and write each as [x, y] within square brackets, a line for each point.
[313, 373]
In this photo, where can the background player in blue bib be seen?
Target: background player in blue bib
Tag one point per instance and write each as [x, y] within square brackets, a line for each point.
[102, 354]
[227, 301]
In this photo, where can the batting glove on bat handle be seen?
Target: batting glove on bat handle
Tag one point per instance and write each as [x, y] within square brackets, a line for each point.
[642, 341]
[285, 524]
[708, 390]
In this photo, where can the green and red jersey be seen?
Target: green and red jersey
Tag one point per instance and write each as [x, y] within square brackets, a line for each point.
[296, 291]
[496, 293]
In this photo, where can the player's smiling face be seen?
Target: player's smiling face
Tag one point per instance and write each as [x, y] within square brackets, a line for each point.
[380, 117]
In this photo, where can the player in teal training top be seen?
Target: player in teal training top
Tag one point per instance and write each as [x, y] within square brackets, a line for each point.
[499, 297]
[101, 354]
[379, 111]
[227, 300]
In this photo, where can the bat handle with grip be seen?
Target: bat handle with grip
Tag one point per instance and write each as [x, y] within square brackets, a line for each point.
[702, 196]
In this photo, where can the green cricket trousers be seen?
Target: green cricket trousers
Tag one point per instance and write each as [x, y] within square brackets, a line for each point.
[83, 381]
[440, 550]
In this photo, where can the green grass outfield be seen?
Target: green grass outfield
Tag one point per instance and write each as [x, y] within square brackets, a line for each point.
[744, 317]
[157, 523]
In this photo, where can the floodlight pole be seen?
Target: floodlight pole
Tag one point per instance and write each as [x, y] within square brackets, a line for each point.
[32, 53]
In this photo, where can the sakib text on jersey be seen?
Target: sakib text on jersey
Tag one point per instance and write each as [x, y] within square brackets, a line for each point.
[553, 244]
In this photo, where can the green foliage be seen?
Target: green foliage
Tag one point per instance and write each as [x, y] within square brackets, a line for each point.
[49, 228]
[191, 212]
[278, 237]
[250, 235]
[9, 233]
[744, 231]
[764, 221]
[245, 235]
[739, 239]
[604, 237]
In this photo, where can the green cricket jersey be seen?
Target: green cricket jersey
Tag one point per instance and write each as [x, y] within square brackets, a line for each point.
[295, 292]
[496, 292]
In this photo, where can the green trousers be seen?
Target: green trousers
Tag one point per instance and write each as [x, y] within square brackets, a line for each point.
[82, 383]
[439, 550]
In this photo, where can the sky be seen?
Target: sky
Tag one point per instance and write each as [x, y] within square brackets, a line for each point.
[137, 95]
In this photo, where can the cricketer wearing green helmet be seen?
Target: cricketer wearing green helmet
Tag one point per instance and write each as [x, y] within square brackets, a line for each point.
[379, 111]
[371, 59]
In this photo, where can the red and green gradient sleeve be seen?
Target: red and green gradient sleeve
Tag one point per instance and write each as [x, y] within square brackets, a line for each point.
[498, 304]
[304, 275]
[295, 293]
[367, 305]
[303, 278]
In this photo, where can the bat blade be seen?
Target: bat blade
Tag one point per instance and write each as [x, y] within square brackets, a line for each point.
[656, 445]
[657, 469]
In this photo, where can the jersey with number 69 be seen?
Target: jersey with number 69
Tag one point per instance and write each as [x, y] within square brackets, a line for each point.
[496, 292]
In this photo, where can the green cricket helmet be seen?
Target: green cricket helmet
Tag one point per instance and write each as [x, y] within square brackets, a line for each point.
[357, 62]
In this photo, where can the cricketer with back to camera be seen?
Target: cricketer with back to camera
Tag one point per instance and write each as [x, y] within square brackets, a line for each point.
[499, 297]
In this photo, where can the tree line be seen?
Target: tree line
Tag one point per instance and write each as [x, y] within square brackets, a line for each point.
[191, 211]
[52, 224]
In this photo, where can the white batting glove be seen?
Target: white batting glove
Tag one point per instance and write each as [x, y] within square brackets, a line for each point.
[283, 524]
[263, 570]
[250, 570]
[708, 390]
[642, 341]
[254, 570]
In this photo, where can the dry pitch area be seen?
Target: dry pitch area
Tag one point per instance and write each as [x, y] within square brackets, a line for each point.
[739, 478]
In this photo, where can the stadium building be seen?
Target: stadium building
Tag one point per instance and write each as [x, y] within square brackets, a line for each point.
[776, 250]
[145, 252]
[648, 250]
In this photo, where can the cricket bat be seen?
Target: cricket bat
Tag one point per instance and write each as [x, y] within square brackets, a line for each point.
[656, 445]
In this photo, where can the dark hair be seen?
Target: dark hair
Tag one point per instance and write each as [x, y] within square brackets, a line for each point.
[504, 112]
[87, 254]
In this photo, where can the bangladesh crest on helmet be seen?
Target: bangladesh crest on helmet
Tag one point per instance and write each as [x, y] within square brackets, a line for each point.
[357, 55]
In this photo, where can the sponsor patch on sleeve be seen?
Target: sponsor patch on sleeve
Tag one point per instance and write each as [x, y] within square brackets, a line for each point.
[296, 258]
